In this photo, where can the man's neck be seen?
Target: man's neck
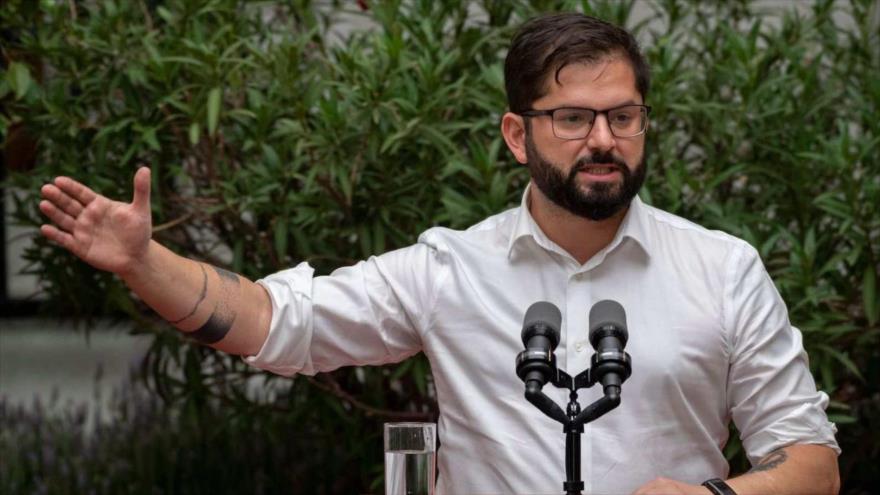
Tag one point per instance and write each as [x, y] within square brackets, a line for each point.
[580, 237]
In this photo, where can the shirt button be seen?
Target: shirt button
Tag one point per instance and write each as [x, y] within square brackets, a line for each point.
[579, 346]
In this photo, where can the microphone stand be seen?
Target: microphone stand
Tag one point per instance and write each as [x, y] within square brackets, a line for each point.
[574, 419]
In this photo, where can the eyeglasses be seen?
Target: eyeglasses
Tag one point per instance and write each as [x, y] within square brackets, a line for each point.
[576, 123]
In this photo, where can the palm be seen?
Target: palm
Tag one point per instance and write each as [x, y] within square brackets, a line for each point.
[109, 235]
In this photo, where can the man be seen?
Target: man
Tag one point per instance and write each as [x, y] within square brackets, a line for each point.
[709, 336]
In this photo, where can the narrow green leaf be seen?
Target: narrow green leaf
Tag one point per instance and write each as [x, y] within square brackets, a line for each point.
[869, 295]
[149, 137]
[843, 359]
[194, 131]
[213, 110]
[281, 238]
[365, 240]
[271, 156]
[165, 14]
[841, 419]
[185, 60]
[402, 369]
[19, 78]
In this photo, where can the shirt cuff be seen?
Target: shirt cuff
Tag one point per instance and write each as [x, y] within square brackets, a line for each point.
[286, 349]
[805, 425]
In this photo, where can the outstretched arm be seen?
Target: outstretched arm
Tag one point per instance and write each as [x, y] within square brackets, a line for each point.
[212, 305]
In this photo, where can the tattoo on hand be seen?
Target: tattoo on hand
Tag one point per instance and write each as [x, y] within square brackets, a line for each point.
[772, 460]
[201, 296]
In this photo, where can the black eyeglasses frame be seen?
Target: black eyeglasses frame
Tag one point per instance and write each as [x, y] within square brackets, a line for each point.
[551, 111]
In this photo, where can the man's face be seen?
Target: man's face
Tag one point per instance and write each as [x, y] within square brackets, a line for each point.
[599, 175]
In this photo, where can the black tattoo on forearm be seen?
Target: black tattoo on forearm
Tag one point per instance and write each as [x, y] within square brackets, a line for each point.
[221, 320]
[201, 296]
[226, 274]
[217, 326]
[772, 460]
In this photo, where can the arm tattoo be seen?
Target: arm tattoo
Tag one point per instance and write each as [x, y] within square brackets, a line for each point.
[226, 274]
[221, 320]
[217, 326]
[772, 460]
[201, 296]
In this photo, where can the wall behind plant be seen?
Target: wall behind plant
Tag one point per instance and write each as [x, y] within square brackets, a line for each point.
[273, 139]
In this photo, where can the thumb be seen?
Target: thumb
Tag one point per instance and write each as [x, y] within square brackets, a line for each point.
[141, 200]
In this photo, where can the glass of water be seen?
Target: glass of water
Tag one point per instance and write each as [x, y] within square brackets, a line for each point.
[409, 458]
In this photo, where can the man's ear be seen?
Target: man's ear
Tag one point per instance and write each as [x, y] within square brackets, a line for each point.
[514, 131]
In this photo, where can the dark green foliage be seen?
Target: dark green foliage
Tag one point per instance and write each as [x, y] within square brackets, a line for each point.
[145, 447]
[274, 138]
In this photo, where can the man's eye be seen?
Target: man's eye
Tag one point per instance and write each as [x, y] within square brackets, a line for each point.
[622, 118]
[572, 118]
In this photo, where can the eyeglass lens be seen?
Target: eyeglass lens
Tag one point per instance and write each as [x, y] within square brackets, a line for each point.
[575, 123]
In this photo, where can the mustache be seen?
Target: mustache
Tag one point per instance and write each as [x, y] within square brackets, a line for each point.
[599, 159]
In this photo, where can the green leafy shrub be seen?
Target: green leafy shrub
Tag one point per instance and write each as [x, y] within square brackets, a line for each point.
[146, 447]
[275, 138]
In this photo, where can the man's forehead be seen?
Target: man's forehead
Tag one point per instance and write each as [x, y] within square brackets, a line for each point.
[610, 72]
[593, 70]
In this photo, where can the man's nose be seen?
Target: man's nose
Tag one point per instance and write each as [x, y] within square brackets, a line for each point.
[600, 136]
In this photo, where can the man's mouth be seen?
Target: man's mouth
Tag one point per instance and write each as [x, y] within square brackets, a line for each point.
[600, 169]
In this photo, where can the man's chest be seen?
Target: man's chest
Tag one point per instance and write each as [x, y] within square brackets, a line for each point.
[676, 339]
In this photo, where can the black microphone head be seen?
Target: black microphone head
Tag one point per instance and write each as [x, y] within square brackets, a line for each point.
[607, 314]
[542, 318]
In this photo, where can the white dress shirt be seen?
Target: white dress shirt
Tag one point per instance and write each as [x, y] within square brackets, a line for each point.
[709, 338]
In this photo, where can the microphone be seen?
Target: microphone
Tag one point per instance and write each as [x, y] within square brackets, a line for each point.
[608, 336]
[540, 336]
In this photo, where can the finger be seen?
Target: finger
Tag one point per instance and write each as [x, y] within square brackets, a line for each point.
[62, 238]
[70, 206]
[76, 190]
[58, 217]
[141, 199]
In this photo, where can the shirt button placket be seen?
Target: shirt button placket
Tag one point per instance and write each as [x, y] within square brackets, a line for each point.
[578, 300]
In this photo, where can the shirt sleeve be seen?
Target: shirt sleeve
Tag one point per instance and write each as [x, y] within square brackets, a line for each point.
[771, 394]
[370, 313]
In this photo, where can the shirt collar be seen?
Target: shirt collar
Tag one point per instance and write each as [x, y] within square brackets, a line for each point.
[632, 227]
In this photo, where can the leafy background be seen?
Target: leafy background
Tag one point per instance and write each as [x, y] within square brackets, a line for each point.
[275, 135]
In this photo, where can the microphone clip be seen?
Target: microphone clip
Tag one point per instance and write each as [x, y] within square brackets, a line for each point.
[537, 367]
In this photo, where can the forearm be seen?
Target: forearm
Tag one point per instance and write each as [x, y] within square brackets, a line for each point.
[212, 305]
[798, 469]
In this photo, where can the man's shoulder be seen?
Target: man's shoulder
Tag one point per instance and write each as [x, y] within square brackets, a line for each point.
[494, 229]
[664, 223]
[677, 238]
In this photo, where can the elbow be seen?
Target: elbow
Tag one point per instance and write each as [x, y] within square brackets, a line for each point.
[832, 478]
[834, 489]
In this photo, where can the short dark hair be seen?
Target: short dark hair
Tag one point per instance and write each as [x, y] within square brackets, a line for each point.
[548, 43]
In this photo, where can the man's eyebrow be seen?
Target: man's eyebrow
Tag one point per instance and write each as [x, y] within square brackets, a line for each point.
[622, 104]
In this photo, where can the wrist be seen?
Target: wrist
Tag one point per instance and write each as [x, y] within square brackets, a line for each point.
[138, 265]
[717, 486]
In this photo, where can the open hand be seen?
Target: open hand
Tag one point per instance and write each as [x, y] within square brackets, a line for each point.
[109, 235]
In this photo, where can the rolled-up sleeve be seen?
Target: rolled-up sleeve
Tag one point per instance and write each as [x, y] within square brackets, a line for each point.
[373, 312]
[771, 394]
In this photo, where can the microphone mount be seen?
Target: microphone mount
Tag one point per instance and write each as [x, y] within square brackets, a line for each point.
[534, 366]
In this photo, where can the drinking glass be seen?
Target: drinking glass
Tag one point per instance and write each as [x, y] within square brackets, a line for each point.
[409, 458]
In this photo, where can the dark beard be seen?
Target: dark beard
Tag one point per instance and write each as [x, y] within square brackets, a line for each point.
[602, 201]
